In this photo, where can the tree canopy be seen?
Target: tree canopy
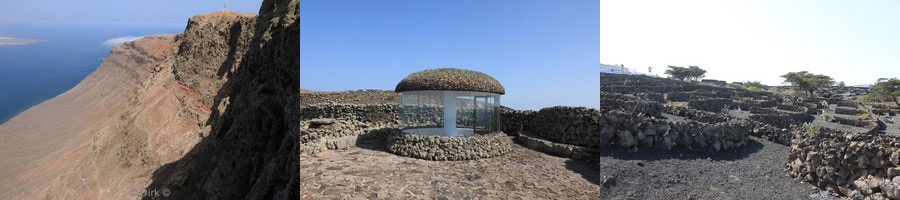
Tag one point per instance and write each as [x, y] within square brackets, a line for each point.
[806, 81]
[754, 84]
[686, 73]
[888, 88]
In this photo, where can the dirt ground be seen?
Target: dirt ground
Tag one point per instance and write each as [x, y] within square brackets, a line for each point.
[368, 172]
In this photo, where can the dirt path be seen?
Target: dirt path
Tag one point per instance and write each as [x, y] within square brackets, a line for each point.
[754, 172]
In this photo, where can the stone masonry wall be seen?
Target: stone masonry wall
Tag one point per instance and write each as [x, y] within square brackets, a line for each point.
[449, 148]
[710, 105]
[856, 165]
[783, 120]
[847, 111]
[593, 128]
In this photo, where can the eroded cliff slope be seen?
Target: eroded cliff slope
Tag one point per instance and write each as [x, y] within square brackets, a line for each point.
[209, 113]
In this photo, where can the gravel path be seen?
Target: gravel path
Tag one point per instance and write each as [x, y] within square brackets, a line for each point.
[753, 172]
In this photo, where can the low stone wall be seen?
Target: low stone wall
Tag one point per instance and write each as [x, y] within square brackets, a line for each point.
[614, 101]
[761, 110]
[698, 115]
[342, 142]
[513, 122]
[855, 122]
[711, 105]
[679, 96]
[755, 128]
[792, 108]
[449, 148]
[847, 104]
[315, 129]
[883, 112]
[768, 103]
[847, 111]
[592, 128]
[655, 97]
[783, 120]
[374, 113]
[855, 165]
[810, 106]
[882, 106]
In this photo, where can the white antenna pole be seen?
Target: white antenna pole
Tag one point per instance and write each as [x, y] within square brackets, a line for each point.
[225, 8]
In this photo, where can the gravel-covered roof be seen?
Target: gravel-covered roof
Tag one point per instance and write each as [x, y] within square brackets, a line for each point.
[450, 79]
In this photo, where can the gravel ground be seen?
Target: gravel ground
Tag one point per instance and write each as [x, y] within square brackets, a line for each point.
[753, 172]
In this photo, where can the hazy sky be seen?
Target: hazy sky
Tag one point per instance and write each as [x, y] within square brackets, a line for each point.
[116, 11]
[545, 53]
[852, 41]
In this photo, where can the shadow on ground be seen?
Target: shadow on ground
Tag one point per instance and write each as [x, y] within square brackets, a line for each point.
[375, 140]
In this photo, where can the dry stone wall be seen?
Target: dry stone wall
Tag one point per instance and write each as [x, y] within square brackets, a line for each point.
[698, 115]
[449, 148]
[593, 128]
[883, 112]
[761, 110]
[792, 108]
[614, 101]
[847, 104]
[755, 128]
[514, 122]
[847, 111]
[680, 96]
[858, 165]
[710, 105]
[855, 122]
[783, 120]
[374, 113]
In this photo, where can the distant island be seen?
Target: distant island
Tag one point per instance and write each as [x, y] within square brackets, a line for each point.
[17, 41]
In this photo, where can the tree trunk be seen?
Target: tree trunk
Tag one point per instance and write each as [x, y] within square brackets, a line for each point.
[810, 93]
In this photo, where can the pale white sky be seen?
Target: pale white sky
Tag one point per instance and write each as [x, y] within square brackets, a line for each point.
[852, 41]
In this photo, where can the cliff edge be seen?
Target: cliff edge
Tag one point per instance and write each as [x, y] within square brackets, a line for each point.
[209, 113]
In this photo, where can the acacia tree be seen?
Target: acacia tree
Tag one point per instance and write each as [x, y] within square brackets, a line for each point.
[696, 72]
[680, 73]
[686, 73]
[888, 88]
[806, 81]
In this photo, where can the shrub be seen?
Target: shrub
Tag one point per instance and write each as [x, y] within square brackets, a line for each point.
[864, 116]
[825, 116]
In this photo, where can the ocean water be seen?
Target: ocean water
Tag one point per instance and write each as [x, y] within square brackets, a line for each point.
[33, 73]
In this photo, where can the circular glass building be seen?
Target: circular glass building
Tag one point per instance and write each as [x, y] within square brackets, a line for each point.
[449, 102]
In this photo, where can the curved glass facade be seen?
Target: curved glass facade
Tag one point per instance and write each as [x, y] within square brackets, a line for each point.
[449, 113]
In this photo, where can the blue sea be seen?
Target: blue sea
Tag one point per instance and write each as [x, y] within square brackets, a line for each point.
[33, 73]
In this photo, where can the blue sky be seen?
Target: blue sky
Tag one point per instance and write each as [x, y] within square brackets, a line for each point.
[116, 11]
[545, 53]
[851, 41]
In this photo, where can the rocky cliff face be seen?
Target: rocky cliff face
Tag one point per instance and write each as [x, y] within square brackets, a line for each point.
[252, 151]
[210, 113]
